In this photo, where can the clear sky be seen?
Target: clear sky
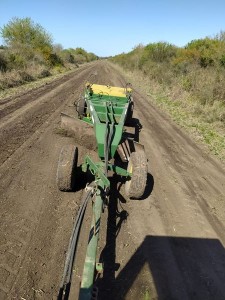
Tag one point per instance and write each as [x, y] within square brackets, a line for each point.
[112, 27]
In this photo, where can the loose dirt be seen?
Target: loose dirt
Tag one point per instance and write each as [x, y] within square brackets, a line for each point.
[169, 245]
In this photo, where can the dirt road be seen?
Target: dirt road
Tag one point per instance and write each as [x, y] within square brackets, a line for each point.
[170, 245]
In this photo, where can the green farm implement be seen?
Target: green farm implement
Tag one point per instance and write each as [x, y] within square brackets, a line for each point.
[107, 111]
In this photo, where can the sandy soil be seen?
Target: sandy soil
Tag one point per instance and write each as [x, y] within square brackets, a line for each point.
[169, 245]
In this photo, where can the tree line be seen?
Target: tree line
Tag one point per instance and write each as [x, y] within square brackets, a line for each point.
[29, 53]
[198, 68]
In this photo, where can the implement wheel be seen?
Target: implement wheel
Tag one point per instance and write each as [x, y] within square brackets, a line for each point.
[67, 165]
[81, 107]
[137, 166]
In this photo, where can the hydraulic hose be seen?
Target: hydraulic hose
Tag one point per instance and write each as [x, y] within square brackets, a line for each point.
[67, 274]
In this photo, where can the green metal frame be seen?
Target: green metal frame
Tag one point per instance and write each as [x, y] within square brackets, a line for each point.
[107, 114]
[86, 289]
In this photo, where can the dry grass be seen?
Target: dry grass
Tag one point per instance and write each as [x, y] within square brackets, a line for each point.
[204, 120]
[31, 73]
[24, 86]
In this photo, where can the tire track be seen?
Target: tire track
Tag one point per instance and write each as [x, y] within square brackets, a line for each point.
[16, 130]
[23, 187]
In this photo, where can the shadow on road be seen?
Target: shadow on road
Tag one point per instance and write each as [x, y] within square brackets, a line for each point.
[177, 267]
[181, 268]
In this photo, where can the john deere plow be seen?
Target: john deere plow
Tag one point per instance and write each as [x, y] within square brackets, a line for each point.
[107, 111]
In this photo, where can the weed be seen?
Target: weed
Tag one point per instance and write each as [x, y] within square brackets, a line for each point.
[205, 122]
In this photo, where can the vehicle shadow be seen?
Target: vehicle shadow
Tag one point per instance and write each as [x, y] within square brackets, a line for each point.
[177, 267]
[117, 215]
[180, 267]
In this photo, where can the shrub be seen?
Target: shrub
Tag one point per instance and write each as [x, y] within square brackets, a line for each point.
[44, 73]
[160, 52]
[30, 54]
[3, 62]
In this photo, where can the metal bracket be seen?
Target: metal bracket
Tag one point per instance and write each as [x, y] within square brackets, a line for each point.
[95, 170]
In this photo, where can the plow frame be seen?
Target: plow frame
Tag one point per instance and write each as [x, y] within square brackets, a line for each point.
[106, 109]
[107, 113]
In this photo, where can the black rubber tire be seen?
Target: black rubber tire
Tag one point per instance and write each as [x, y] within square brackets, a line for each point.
[67, 165]
[136, 185]
[130, 113]
[81, 107]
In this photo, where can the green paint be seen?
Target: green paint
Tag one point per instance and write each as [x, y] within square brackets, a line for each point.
[95, 170]
[90, 260]
[103, 110]
[107, 115]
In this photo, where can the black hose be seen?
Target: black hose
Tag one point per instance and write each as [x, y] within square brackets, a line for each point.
[67, 274]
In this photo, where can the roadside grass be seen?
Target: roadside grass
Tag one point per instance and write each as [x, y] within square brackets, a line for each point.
[26, 86]
[147, 295]
[205, 123]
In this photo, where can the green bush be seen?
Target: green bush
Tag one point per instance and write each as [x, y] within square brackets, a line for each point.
[29, 53]
[197, 68]
[160, 52]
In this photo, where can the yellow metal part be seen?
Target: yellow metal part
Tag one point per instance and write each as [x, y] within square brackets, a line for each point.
[110, 90]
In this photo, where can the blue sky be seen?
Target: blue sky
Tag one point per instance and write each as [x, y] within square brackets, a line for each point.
[112, 27]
